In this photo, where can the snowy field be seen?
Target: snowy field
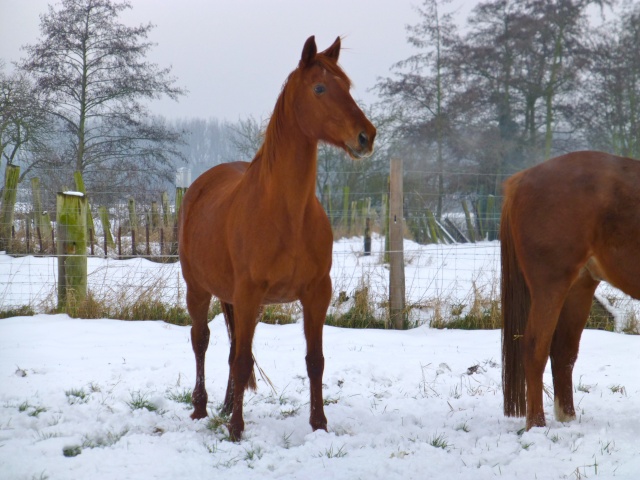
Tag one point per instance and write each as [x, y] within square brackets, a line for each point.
[101, 399]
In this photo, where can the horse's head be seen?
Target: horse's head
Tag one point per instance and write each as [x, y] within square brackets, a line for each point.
[323, 105]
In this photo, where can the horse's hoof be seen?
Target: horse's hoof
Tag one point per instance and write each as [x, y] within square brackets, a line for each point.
[235, 432]
[320, 425]
[535, 422]
[198, 414]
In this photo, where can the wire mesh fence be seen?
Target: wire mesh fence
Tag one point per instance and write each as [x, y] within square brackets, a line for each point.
[451, 263]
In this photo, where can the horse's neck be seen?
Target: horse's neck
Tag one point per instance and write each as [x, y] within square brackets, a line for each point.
[288, 170]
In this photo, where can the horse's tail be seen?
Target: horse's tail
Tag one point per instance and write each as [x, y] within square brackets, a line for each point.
[515, 311]
[229, 320]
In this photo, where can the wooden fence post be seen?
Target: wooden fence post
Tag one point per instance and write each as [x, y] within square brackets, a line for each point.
[155, 215]
[367, 236]
[133, 223]
[11, 178]
[103, 213]
[71, 220]
[345, 210]
[133, 218]
[37, 207]
[166, 214]
[396, 249]
[147, 227]
[471, 231]
[490, 218]
[433, 227]
[385, 226]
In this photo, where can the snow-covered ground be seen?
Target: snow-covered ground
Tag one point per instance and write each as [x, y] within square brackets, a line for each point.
[421, 403]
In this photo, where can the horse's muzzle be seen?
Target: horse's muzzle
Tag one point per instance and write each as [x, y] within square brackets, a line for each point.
[364, 146]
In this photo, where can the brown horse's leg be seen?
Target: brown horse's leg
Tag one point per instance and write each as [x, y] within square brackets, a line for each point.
[546, 304]
[566, 340]
[198, 306]
[245, 314]
[315, 306]
[227, 310]
[227, 407]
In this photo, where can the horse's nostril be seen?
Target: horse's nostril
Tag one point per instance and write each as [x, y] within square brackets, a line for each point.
[363, 140]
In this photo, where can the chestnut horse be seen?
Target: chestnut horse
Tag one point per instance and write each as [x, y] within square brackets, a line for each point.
[567, 224]
[255, 233]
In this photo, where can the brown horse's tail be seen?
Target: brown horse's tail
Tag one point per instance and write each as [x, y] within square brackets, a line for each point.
[227, 310]
[515, 310]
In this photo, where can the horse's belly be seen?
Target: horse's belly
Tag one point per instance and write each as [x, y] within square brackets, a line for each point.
[292, 277]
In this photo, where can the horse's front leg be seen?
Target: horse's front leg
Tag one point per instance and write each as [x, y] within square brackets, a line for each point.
[198, 306]
[315, 304]
[245, 312]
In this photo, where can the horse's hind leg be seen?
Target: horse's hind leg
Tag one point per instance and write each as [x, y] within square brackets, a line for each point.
[315, 305]
[198, 306]
[566, 340]
[546, 304]
[227, 407]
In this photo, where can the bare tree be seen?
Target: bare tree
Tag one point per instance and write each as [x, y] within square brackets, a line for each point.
[24, 123]
[94, 72]
[610, 116]
[423, 85]
[247, 136]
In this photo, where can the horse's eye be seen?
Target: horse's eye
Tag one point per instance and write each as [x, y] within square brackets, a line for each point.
[319, 89]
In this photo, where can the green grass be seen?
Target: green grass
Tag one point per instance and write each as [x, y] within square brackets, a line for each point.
[23, 311]
[76, 396]
[481, 312]
[439, 441]
[360, 315]
[181, 396]
[72, 450]
[332, 453]
[140, 401]
[280, 314]
[31, 410]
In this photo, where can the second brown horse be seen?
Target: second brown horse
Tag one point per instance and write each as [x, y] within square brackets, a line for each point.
[254, 233]
[567, 224]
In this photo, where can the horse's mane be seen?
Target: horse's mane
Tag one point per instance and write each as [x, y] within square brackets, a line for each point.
[275, 126]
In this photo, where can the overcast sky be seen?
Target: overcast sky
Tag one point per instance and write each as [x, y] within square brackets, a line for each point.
[233, 55]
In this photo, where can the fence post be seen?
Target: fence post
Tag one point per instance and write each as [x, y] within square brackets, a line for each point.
[166, 214]
[71, 219]
[490, 218]
[155, 216]
[385, 226]
[345, 210]
[37, 204]
[11, 178]
[367, 236]
[396, 251]
[133, 218]
[470, 229]
[103, 213]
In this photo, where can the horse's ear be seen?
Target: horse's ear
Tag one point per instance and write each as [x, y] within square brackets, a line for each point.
[308, 51]
[333, 51]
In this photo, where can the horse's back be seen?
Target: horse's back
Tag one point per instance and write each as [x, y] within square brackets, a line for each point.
[579, 207]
